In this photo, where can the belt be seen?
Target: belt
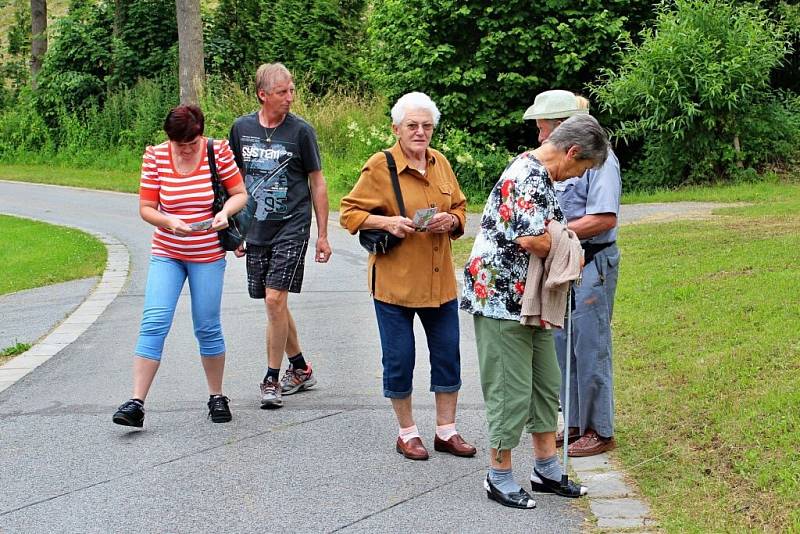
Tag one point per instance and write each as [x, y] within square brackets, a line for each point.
[590, 249]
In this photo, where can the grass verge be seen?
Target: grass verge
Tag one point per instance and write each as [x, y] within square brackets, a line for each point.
[707, 363]
[708, 366]
[9, 352]
[769, 188]
[107, 180]
[36, 254]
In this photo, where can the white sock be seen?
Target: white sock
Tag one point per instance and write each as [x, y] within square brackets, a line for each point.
[445, 432]
[409, 433]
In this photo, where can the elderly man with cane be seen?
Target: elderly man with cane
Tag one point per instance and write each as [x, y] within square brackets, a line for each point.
[591, 206]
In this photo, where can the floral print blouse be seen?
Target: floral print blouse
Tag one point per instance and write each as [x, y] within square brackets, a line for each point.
[521, 204]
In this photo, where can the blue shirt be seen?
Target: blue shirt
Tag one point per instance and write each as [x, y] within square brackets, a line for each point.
[597, 191]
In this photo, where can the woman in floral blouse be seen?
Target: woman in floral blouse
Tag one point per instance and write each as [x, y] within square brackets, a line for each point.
[520, 377]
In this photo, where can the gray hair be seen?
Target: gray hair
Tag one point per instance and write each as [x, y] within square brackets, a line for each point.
[584, 132]
[268, 75]
[413, 101]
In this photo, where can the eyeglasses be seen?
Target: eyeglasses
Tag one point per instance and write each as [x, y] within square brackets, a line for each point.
[413, 126]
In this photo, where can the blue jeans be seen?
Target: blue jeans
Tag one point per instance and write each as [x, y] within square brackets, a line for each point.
[165, 280]
[396, 327]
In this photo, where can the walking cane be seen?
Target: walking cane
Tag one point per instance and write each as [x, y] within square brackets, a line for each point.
[565, 476]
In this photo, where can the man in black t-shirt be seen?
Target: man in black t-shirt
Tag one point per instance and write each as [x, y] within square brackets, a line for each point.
[278, 155]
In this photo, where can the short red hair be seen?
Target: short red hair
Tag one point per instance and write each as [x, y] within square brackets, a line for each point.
[184, 123]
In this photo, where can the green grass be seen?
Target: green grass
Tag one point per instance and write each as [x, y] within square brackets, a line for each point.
[9, 352]
[36, 254]
[770, 187]
[708, 366]
[109, 180]
[461, 249]
[707, 362]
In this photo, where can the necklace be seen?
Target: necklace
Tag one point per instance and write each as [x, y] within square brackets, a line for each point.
[275, 129]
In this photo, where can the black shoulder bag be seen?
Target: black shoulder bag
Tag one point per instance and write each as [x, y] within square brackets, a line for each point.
[381, 241]
[233, 236]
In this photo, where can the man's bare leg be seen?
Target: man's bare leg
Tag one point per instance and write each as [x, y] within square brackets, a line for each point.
[279, 326]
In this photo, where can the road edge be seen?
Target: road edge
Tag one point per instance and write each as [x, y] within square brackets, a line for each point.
[104, 293]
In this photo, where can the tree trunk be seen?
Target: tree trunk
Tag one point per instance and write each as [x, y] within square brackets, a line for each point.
[190, 50]
[738, 149]
[119, 17]
[38, 37]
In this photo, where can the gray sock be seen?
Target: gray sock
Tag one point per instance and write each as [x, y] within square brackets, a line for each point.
[549, 468]
[503, 479]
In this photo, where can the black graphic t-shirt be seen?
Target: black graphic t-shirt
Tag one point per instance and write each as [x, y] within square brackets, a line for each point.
[276, 175]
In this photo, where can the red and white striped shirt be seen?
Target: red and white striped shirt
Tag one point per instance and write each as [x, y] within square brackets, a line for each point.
[188, 197]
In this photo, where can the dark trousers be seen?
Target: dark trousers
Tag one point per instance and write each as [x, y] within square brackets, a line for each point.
[396, 327]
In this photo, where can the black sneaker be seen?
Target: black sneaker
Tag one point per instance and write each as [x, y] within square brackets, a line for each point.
[131, 413]
[218, 410]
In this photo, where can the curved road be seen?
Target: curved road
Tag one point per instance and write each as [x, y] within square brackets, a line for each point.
[323, 463]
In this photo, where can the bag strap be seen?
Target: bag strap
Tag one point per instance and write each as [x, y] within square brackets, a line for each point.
[212, 162]
[395, 181]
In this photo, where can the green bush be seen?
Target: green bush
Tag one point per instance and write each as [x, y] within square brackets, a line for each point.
[14, 67]
[85, 59]
[477, 165]
[78, 60]
[112, 135]
[696, 91]
[146, 44]
[318, 40]
[483, 62]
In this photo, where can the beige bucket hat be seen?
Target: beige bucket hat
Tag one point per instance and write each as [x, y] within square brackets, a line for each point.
[555, 104]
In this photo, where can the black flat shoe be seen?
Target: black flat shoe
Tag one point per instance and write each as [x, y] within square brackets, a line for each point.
[541, 484]
[518, 499]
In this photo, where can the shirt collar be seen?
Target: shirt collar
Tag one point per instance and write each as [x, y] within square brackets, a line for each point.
[402, 162]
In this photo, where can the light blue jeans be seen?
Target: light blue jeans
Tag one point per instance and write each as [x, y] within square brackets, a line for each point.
[165, 280]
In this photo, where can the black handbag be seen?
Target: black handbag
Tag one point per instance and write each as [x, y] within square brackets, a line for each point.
[380, 241]
[234, 235]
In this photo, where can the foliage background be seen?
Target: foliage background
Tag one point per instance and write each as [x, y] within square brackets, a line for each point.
[109, 78]
[697, 92]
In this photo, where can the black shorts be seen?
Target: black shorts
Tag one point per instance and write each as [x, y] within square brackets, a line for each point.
[276, 266]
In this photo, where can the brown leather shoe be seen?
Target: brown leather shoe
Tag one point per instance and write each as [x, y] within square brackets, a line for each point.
[455, 446]
[413, 450]
[590, 444]
[574, 434]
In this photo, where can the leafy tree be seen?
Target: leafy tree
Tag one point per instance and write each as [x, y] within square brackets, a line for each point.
[696, 91]
[482, 62]
[103, 45]
[230, 39]
[78, 61]
[144, 41]
[14, 73]
[787, 76]
[318, 40]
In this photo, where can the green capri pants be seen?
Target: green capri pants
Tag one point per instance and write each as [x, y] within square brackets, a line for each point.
[520, 379]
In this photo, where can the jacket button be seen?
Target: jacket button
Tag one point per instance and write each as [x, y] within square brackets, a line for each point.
[436, 249]
[436, 269]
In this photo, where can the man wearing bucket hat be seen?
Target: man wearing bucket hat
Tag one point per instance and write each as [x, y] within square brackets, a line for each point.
[591, 206]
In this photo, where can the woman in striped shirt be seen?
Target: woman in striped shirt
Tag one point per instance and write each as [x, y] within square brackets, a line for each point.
[175, 196]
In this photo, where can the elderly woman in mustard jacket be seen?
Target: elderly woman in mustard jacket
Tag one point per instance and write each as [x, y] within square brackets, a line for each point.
[415, 277]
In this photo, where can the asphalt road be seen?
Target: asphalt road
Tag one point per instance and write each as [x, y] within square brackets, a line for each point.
[323, 463]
